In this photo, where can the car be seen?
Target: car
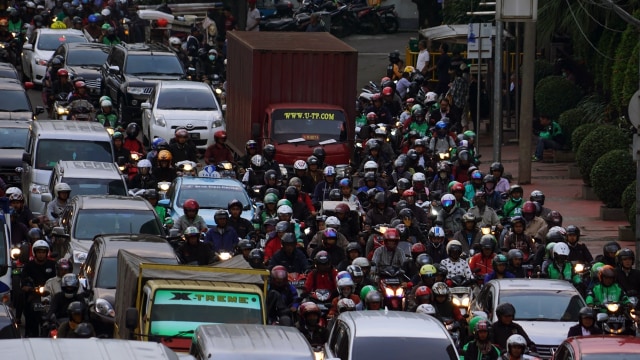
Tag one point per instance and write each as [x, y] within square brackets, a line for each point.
[89, 178]
[37, 53]
[85, 60]
[210, 193]
[13, 141]
[8, 71]
[15, 103]
[545, 308]
[187, 104]
[132, 71]
[89, 215]
[99, 272]
[53, 140]
[599, 347]
[357, 335]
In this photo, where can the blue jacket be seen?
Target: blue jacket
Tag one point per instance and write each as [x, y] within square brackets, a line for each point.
[492, 275]
[321, 192]
[226, 241]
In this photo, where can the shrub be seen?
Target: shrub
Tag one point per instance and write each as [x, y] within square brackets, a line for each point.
[569, 121]
[632, 217]
[543, 68]
[580, 133]
[599, 141]
[628, 198]
[594, 108]
[611, 174]
[630, 84]
[554, 95]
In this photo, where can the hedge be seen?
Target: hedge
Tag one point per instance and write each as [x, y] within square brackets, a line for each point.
[554, 95]
[569, 121]
[628, 198]
[599, 141]
[610, 176]
[581, 132]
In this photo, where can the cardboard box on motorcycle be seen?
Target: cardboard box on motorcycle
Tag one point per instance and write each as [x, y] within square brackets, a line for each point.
[165, 303]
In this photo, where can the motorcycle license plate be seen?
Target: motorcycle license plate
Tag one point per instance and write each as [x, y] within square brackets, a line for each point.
[16, 271]
[616, 319]
[194, 136]
[38, 307]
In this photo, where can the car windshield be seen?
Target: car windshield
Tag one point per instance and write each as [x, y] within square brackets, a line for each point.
[153, 65]
[213, 196]
[108, 274]
[84, 186]
[613, 356]
[13, 138]
[544, 305]
[14, 101]
[365, 348]
[92, 222]
[176, 311]
[50, 151]
[311, 125]
[50, 42]
[87, 57]
[186, 99]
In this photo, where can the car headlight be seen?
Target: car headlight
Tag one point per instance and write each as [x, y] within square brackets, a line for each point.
[38, 189]
[159, 120]
[613, 307]
[103, 307]
[41, 62]
[216, 123]
[79, 256]
[135, 90]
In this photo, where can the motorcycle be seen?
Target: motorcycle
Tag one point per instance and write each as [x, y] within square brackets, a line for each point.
[187, 168]
[388, 18]
[81, 110]
[391, 288]
[453, 328]
[617, 320]
[322, 298]
[60, 110]
[298, 280]
[461, 295]
[163, 187]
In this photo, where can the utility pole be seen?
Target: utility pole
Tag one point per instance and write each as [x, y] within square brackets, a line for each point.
[497, 93]
[526, 106]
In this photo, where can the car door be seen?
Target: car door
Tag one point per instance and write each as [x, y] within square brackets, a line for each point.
[88, 269]
[27, 166]
[116, 78]
[28, 54]
[147, 115]
[564, 352]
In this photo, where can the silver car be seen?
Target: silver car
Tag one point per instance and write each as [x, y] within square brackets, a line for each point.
[545, 308]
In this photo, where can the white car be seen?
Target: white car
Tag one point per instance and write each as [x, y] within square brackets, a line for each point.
[40, 48]
[187, 104]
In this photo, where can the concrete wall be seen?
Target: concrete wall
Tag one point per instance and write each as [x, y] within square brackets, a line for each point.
[407, 12]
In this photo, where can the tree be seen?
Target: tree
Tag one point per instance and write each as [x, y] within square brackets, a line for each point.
[429, 13]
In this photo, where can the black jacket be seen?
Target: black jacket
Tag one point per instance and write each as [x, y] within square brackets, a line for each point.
[576, 330]
[296, 263]
[629, 282]
[502, 332]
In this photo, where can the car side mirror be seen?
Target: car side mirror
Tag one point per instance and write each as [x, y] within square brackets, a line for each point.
[26, 158]
[39, 110]
[131, 318]
[145, 105]
[114, 70]
[27, 47]
[46, 197]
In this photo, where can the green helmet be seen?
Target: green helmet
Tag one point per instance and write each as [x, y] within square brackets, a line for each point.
[102, 98]
[415, 107]
[473, 322]
[365, 290]
[117, 135]
[595, 269]
[284, 202]
[270, 199]
[106, 26]
[469, 134]
[549, 249]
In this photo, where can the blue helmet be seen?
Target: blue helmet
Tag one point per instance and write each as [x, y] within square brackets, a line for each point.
[157, 142]
[93, 19]
[441, 125]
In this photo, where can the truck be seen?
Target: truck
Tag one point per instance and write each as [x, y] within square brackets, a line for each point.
[165, 303]
[292, 90]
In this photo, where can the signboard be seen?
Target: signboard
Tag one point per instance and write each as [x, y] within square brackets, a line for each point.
[516, 10]
[479, 41]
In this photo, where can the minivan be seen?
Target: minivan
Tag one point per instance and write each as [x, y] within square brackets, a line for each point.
[50, 141]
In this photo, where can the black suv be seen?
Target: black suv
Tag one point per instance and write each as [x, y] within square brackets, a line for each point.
[131, 72]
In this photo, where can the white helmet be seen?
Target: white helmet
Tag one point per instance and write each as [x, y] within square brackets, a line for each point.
[106, 103]
[561, 249]
[31, 5]
[300, 165]
[437, 231]
[144, 163]
[344, 282]
[371, 166]
[418, 177]
[13, 190]
[426, 309]
[174, 41]
[285, 209]
[39, 244]
[105, 12]
[332, 222]
[516, 340]
[346, 304]
[60, 187]
[430, 97]
[329, 171]
[103, 98]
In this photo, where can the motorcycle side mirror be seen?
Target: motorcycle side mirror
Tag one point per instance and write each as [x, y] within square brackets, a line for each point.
[602, 317]
[46, 197]
[174, 232]
[191, 71]
[164, 202]
[121, 161]
[39, 110]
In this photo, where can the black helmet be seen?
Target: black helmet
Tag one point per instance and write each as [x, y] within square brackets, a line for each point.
[489, 179]
[221, 214]
[269, 152]
[321, 258]
[288, 238]
[515, 254]
[554, 218]
[256, 258]
[505, 309]
[373, 145]
[412, 155]
[488, 241]
[611, 247]
[518, 219]
[312, 160]
[319, 153]
[424, 259]
[369, 176]
[573, 230]
[401, 161]
[70, 284]
[132, 130]
[354, 246]
[234, 203]
[273, 191]
[623, 253]
[75, 308]
[245, 244]
[405, 214]
[55, 61]
[291, 194]
[83, 330]
[402, 204]
[556, 234]
[151, 194]
[586, 312]
[497, 166]
[335, 195]
[403, 184]
[270, 175]
[379, 198]
[537, 196]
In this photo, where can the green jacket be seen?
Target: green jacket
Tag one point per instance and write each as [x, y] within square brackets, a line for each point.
[15, 27]
[512, 208]
[162, 213]
[470, 352]
[110, 119]
[601, 294]
[552, 132]
[420, 128]
[566, 273]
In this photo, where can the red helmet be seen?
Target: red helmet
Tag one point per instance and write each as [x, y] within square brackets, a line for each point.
[418, 248]
[387, 91]
[391, 234]
[279, 272]
[457, 187]
[410, 100]
[181, 132]
[372, 116]
[408, 192]
[342, 208]
[80, 84]
[423, 291]
[63, 72]
[220, 134]
[191, 204]
[162, 22]
[529, 208]
[308, 307]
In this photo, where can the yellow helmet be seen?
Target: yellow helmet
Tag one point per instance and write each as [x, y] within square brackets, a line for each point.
[164, 155]
[410, 69]
[58, 25]
[428, 270]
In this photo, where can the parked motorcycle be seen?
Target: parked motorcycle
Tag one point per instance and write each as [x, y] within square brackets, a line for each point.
[388, 18]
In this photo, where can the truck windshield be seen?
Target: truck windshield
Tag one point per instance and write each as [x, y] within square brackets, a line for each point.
[309, 124]
[50, 151]
[92, 222]
[96, 186]
[176, 311]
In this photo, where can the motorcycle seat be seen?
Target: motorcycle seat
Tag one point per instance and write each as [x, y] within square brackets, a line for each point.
[385, 7]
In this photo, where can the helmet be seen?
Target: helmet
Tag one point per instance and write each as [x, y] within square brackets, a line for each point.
[220, 214]
[498, 259]
[334, 195]
[35, 234]
[355, 271]
[556, 234]
[488, 241]
[537, 196]
[106, 103]
[496, 166]
[13, 190]
[363, 262]
[16, 197]
[379, 198]
[300, 165]
[77, 20]
[387, 91]
[595, 270]
[69, 283]
[424, 259]
[245, 244]
[560, 249]
[448, 202]
[441, 125]
[39, 245]
[436, 231]
[480, 325]
[269, 151]
[516, 340]
[234, 203]
[118, 136]
[515, 254]
[93, 19]
[164, 155]
[518, 219]
[372, 144]
[270, 199]
[418, 177]
[285, 210]
[529, 208]
[132, 130]
[279, 272]
[373, 296]
[554, 218]
[173, 41]
[515, 188]
[282, 202]
[61, 187]
[441, 288]
[346, 305]
[365, 290]
[329, 233]
[468, 217]
[30, 5]
[606, 271]
[63, 265]
[190, 204]
[442, 270]
[157, 142]
[586, 312]
[573, 230]
[77, 84]
[457, 187]
[623, 253]
[220, 134]
[454, 245]
[282, 226]
[611, 247]
[63, 72]
[191, 231]
[329, 171]
[505, 309]
[346, 282]
[321, 258]
[427, 309]
[428, 270]
[307, 308]
[295, 181]
[257, 160]
[342, 208]
[144, 163]
[75, 308]
[256, 257]
[417, 249]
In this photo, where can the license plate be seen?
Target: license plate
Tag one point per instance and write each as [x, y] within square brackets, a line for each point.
[617, 319]
[38, 307]
[194, 135]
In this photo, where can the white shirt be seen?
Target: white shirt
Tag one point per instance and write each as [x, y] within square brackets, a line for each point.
[423, 58]
[253, 18]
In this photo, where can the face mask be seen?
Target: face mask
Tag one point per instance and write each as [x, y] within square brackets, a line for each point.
[212, 57]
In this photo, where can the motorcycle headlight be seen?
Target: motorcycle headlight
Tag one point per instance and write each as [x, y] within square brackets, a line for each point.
[579, 268]
[632, 314]
[219, 91]
[164, 185]
[400, 292]
[110, 131]
[103, 307]
[389, 292]
[79, 256]
[122, 168]
[225, 256]
[135, 90]
[613, 307]
[15, 253]
[456, 301]
[61, 110]
[465, 301]
[135, 156]
[485, 230]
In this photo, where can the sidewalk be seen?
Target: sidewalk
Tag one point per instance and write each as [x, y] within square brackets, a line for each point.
[562, 194]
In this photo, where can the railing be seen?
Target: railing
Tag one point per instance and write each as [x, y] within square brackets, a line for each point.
[411, 57]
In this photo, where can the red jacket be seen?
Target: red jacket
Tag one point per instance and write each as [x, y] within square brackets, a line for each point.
[271, 247]
[316, 280]
[479, 262]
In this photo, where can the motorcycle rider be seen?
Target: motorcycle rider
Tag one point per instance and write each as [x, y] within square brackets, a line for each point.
[240, 224]
[515, 257]
[516, 347]
[346, 290]
[427, 276]
[108, 35]
[323, 276]
[560, 267]
[607, 290]
[251, 149]
[52, 286]
[80, 92]
[290, 256]
[450, 215]
[626, 276]
[493, 198]
[105, 115]
[441, 181]
[152, 196]
[379, 213]
[62, 192]
[282, 298]
[480, 347]
[579, 251]
[192, 250]
[183, 149]
[329, 245]
[131, 142]
[441, 142]
[218, 151]
[518, 239]
[77, 321]
[442, 303]
[536, 226]
[389, 254]
[504, 327]
[164, 171]
[222, 237]
[482, 262]
[61, 300]
[455, 264]
[609, 251]
[35, 274]
[118, 148]
[143, 179]
[586, 324]
[513, 205]
[502, 184]
[309, 324]
[176, 46]
[382, 111]
[321, 192]
[538, 197]
[435, 247]
[469, 236]
[22, 212]
[499, 264]
[190, 217]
